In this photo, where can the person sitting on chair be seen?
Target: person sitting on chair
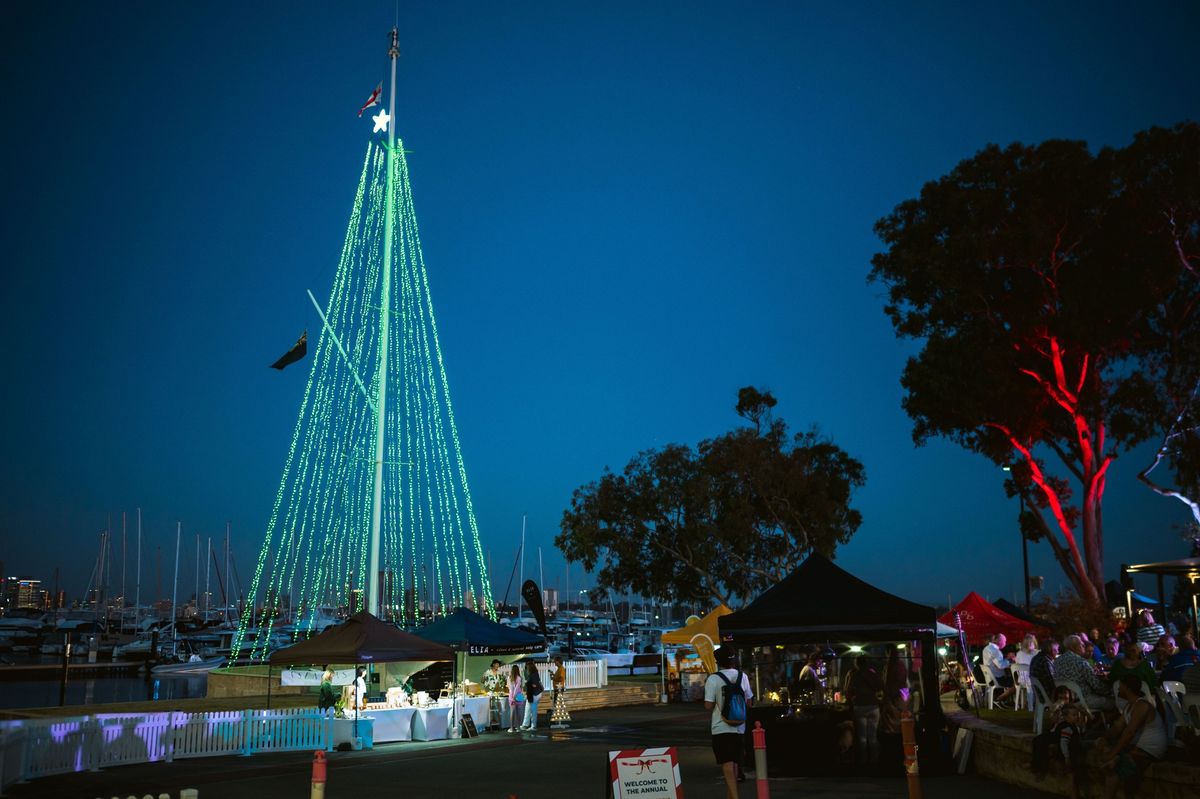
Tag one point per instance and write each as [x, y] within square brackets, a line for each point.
[996, 665]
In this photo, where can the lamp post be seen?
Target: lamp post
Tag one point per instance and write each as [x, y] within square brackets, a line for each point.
[1024, 541]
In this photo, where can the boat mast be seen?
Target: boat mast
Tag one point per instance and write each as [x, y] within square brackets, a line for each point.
[137, 601]
[124, 598]
[207, 571]
[175, 586]
[226, 595]
[385, 305]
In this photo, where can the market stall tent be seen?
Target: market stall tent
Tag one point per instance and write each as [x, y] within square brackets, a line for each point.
[820, 603]
[466, 631]
[365, 639]
[362, 638]
[478, 640]
[981, 619]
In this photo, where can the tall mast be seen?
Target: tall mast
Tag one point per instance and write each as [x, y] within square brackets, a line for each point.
[175, 585]
[124, 599]
[226, 595]
[137, 601]
[207, 570]
[385, 305]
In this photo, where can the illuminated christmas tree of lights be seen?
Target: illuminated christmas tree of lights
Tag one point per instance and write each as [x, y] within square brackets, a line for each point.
[316, 555]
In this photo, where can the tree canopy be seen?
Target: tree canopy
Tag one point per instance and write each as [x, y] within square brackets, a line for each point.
[1054, 290]
[720, 522]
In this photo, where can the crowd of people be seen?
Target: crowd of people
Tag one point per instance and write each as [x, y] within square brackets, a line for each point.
[1112, 703]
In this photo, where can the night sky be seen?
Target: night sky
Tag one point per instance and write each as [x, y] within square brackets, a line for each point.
[629, 210]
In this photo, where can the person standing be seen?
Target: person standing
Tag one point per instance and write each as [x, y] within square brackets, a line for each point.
[863, 690]
[558, 678]
[327, 698]
[726, 738]
[493, 679]
[533, 693]
[360, 688]
[515, 696]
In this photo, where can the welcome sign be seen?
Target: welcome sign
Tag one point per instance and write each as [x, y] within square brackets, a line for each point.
[643, 773]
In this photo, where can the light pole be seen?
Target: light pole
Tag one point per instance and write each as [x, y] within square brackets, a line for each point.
[1024, 540]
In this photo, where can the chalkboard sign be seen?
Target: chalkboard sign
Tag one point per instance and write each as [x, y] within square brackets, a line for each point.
[468, 726]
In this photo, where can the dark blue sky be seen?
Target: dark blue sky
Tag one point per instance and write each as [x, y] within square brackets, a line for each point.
[628, 210]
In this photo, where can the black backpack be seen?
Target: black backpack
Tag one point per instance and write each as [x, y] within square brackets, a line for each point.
[533, 686]
[733, 700]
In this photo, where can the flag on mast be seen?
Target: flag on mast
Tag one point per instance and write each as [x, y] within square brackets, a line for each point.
[298, 351]
[372, 100]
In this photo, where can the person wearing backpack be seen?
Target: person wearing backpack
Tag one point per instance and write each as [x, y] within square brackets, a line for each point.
[727, 694]
[533, 693]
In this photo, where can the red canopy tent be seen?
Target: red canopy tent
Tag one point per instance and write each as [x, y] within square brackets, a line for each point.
[981, 618]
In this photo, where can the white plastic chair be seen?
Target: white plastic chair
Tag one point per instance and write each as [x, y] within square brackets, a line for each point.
[989, 688]
[1175, 717]
[1024, 696]
[1080, 698]
[1175, 688]
[1040, 703]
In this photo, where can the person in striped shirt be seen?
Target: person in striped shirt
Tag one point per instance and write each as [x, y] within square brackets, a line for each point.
[1148, 632]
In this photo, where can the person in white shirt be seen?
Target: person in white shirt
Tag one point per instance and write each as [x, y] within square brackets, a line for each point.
[997, 666]
[726, 738]
[360, 688]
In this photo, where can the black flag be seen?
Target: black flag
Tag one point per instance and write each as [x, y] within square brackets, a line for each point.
[533, 598]
[298, 351]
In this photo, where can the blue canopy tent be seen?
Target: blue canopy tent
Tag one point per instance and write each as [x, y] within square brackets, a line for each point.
[475, 638]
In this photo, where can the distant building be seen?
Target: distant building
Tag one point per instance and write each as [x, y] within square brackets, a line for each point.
[550, 600]
[30, 594]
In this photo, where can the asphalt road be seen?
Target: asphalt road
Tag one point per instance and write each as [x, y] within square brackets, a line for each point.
[546, 765]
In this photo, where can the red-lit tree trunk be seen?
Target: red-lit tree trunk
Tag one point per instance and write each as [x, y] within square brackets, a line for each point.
[1081, 551]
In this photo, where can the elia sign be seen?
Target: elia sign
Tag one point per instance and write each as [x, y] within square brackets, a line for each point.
[644, 773]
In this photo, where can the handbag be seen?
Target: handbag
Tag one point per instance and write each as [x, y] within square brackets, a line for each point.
[520, 697]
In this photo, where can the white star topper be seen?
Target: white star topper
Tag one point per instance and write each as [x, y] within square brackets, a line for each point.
[381, 121]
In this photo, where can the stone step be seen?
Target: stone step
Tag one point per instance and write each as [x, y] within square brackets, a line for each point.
[610, 696]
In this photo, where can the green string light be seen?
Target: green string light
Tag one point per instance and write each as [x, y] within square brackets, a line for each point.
[317, 536]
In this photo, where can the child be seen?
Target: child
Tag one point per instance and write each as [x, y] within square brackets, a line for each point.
[1064, 744]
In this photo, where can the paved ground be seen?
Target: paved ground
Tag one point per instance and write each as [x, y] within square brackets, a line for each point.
[549, 765]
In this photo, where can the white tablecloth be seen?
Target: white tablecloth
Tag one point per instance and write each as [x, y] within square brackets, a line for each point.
[343, 731]
[431, 724]
[477, 706]
[393, 724]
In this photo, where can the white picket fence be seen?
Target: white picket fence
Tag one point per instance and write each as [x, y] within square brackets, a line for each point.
[32, 748]
[580, 673]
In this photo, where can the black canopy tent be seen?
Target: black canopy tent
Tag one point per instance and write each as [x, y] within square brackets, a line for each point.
[820, 603]
[1020, 613]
